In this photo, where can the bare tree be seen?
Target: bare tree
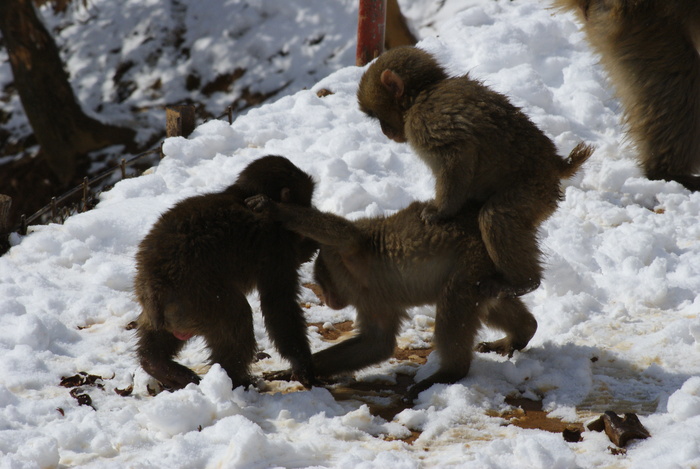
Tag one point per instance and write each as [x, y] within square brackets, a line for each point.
[64, 132]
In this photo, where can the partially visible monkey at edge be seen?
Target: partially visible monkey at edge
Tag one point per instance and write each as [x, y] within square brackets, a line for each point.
[203, 256]
[382, 266]
[649, 49]
[480, 148]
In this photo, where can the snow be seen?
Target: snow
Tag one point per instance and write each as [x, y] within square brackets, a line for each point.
[618, 310]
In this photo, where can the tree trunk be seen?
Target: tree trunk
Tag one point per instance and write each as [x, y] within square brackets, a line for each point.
[64, 132]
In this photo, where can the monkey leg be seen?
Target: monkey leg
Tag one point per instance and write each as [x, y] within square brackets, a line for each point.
[229, 334]
[156, 350]
[370, 346]
[284, 318]
[375, 342]
[456, 323]
[508, 223]
[453, 175]
[512, 317]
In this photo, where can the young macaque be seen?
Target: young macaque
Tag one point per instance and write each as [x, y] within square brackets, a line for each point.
[382, 266]
[480, 148]
[200, 260]
[650, 50]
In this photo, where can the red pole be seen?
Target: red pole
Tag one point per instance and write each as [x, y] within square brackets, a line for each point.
[370, 30]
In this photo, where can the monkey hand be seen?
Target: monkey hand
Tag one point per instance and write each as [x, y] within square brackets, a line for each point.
[260, 203]
[308, 380]
[502, 347]
[496, 287]
[431, 216]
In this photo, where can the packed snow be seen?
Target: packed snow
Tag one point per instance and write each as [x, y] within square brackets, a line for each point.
[618, 310]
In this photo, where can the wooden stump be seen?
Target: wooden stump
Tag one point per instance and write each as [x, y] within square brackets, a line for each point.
[5, 204]
[179, 121]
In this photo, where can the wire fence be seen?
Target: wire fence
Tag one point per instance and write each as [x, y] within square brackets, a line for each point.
[58, 206]
[62, 206]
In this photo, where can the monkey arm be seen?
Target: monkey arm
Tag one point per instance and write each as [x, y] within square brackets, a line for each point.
[284, 319]
[324, 228]
[456, 178]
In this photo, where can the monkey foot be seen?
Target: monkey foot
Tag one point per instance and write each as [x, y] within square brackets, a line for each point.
[501, 347]
[173, 382]
[620, 429]
[443, 377]
[306, 380]
[281, 375]
[495, 287]
[288, 375]
[171, 375]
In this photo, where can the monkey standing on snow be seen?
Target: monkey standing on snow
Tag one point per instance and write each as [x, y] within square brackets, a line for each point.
[480, 148]
[384, 265]
[649, 49]
[203, 256]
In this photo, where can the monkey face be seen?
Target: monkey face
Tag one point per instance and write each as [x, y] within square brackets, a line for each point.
[390, 119]
[395, 134]
[382, 102]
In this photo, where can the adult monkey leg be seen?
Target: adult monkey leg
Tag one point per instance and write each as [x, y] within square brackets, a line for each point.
[228, 332]
[374, 343]
[456, 323]
[156, 350]
[511, 316]
[284, 318]
[649, 49]
[508, 222]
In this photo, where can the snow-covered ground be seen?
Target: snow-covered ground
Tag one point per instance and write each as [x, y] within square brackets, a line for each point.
[618, 311]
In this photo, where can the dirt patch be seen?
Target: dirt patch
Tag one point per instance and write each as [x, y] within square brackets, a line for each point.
[528, 413]
[384, 398]
[413, 355]
[335, 332]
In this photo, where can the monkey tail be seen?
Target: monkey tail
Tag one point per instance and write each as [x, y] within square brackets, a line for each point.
[577, 157]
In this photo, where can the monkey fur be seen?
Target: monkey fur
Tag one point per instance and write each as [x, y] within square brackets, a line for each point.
[384, 265]
[201, 258]
[480, 148]
[649, 49]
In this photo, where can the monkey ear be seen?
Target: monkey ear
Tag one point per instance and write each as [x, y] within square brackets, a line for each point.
[392, 82]
[285, 195]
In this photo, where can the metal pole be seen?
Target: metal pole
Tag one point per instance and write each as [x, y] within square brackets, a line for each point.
[370, 30]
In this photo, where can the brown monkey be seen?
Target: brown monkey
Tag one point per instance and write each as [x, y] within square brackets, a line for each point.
[649, 49]
[397, 31]
[480, 148]
[382, 266]
[203, 256]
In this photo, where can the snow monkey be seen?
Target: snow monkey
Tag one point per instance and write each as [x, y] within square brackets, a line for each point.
[480, 148]
[650, 50]
[382, 266]
[203, 256]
